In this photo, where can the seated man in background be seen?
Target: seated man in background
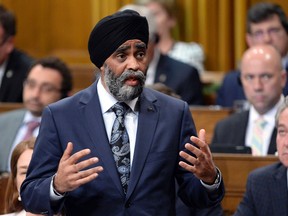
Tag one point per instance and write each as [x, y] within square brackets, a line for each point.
[266, 187]
[263, 79]
[182, 78]
[48, 81]
[266, 24]
[14, 64]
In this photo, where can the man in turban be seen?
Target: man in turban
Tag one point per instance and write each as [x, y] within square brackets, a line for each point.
[114, 148]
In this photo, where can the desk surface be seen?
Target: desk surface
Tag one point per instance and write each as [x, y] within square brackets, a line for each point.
[235, 169]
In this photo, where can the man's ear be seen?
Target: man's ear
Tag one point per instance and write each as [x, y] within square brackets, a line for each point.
[249, 40]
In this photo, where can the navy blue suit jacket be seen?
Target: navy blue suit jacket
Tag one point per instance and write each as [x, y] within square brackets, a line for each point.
[11, 88]
[231, 89]
[232, 131]
[182, 78]
[266, 192]
[164, 126]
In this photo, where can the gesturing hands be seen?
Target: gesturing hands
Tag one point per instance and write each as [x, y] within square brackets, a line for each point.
[202, 164]
[70, 174]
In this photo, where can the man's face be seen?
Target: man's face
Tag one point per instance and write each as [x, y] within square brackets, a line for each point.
[42, 87]
[270, 32]
[262, 81]
[124, 72]
[282, 137]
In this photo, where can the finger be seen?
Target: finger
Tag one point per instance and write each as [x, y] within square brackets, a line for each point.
[88, 175]
[67, 152]
[78, 155]
[188, 157]
[196, 151]
[83, 164]
[202, 135]
[187, 167]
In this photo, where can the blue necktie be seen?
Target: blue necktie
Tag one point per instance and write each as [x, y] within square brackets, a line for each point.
[120, 143]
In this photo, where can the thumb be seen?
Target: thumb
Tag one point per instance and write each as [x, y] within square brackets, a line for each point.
[202, 135]
[68, 151]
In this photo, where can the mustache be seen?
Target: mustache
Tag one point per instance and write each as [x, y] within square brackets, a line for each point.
[139, 75]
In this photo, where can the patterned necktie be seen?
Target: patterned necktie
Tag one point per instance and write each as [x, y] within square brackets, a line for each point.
[257, 136]
[31, 126]
[120, 144]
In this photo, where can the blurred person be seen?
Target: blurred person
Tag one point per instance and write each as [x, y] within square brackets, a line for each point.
[166, 19]
[182, 78]
[87, 171]
[49, 80]
[266, 187]
[263, 79]
[19, 163]
[14, 63]
[266, 24]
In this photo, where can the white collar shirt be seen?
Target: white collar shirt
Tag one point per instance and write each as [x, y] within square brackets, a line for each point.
[269, 117]
[131, 119]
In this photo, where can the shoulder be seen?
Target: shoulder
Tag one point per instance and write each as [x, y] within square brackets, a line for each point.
[177, 65]
[264, 172]
[234, 119]
[19, 55]
[11, 114]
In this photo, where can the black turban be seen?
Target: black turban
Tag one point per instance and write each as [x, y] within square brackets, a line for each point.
[112, 31]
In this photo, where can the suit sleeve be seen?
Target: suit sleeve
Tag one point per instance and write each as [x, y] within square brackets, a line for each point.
[35, 190]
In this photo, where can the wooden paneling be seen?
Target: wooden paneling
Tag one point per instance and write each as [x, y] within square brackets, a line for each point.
[235, 169]
[206, 117]
[5, 107]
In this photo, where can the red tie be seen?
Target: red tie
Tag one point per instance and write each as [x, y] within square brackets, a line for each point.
[31, 126]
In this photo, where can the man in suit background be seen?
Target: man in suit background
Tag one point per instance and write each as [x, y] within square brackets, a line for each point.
[263, 79]
[181, 77]
[266, 24]
[266, 187]
[48, 80]
[14, 64]
[76, 166]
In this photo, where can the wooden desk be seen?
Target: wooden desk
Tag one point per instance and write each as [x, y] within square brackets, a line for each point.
[83, 76]
[235, 169]
[5, 107]
[207, 116]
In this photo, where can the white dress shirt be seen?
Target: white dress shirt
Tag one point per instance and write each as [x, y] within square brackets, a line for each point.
[269, 117]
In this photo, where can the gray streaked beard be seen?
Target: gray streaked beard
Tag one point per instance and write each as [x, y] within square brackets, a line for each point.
[117, 87]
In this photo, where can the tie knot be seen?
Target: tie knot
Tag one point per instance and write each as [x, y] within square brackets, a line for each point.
[261, 122]
[33, 124]
[120, 109]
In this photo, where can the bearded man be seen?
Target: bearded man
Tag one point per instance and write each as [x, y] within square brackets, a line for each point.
[116, 147]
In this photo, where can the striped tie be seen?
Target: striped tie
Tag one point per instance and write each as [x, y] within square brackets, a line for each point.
[257, 136]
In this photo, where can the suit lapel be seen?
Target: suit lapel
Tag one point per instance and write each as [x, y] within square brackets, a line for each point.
[93, 119]
[272, 146]
[278, 190]
[147, 121]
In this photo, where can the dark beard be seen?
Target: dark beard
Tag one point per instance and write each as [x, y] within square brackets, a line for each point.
[117, 87]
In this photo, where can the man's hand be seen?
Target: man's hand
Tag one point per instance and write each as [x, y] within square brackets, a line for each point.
[70, 174]
[202, 164]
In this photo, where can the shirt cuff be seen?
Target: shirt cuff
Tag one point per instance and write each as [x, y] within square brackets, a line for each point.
[54, 195]
[216, 184]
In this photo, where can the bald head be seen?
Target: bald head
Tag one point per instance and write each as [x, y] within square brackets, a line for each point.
[262, 54]
[262, 77]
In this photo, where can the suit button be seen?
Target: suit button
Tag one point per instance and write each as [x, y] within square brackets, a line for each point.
[128, 205]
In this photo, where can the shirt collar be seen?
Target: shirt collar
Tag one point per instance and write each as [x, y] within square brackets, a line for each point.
[107, 100]
[28, 117]
[268, 116]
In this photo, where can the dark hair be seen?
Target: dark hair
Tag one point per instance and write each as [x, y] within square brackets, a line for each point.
[263, 11]
[57, 64]
[8, 22]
